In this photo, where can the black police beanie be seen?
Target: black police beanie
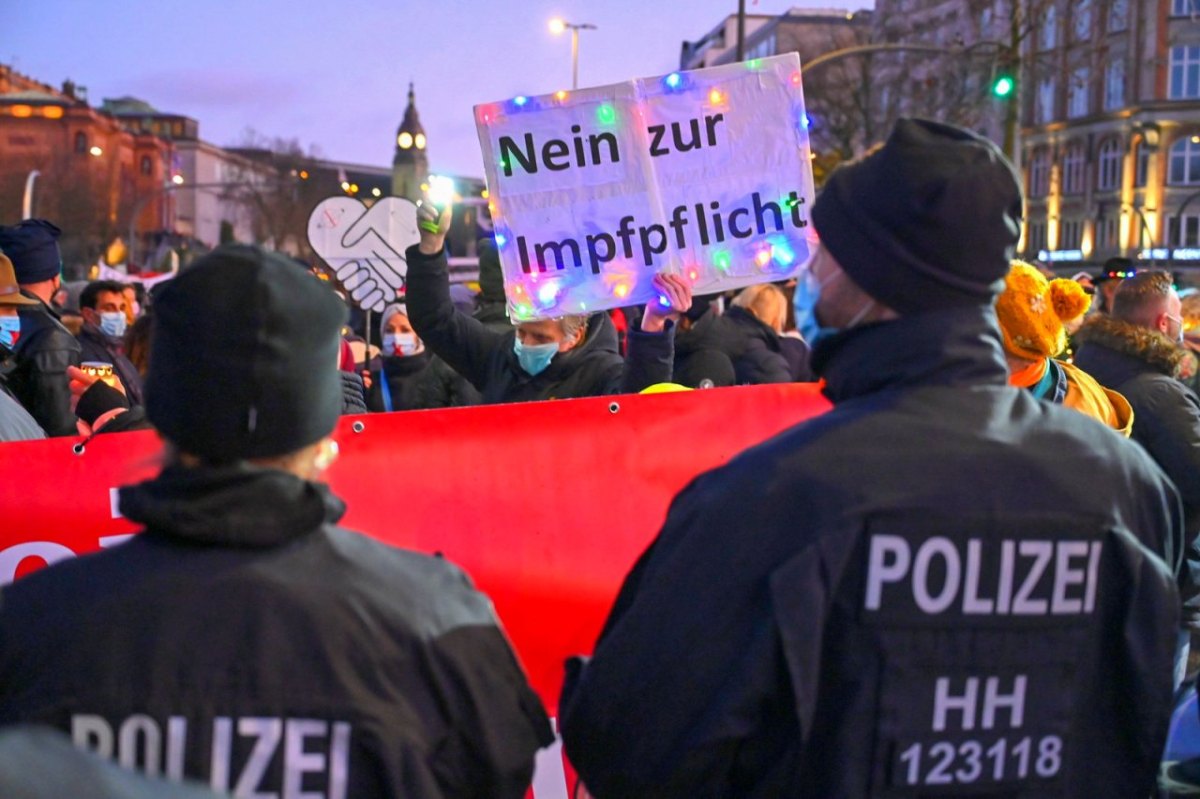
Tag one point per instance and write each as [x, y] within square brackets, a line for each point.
[32, 246]
[928, 221]
[245, 353]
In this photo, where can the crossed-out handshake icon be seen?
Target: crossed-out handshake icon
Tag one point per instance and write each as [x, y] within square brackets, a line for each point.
[365, 246]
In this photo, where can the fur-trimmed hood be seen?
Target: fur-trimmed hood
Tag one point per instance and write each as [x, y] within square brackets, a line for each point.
[1147, 345]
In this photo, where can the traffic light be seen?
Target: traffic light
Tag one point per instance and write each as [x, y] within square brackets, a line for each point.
[1003, 86]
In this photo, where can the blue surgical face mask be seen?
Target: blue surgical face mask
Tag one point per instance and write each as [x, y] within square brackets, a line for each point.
[113, 323]
[808, 294]
[534, 358]
[10, 328]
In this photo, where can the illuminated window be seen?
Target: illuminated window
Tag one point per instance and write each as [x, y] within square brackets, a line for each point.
[1185, 161]
[1048, 35]
[52, 112]
[1039, 174]
[1114, 84]
[1044, 110]
[1082, 20]
[1077, 92]
[1185, 73]
[1184, 231]
[1109, 175]
[1118, 15]
[1141, 164]
[22, 111]
[1072, 171]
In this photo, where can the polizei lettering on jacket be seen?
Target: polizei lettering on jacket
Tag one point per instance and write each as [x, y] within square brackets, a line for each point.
[939, 577]
[303, 754]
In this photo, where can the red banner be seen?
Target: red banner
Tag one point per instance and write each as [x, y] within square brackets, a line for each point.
[546, 505]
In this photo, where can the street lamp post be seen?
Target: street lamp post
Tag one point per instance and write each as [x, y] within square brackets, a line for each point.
[557, 26]
[27, 202]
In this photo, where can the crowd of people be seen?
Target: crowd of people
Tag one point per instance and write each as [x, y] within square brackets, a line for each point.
[976, 575]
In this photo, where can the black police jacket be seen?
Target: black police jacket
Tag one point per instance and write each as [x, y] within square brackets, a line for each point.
[245, 641]
[39, 379]
[485, 356]
[942, 587]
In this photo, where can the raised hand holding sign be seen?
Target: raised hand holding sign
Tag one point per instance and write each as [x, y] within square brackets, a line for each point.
[365, 246]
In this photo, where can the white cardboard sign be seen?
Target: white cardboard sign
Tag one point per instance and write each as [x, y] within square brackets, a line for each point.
[704, 174]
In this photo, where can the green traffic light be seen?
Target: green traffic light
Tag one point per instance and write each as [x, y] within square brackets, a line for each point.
[1003, 86]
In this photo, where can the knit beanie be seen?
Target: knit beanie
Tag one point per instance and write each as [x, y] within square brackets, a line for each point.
[32, 245]
[1032, 311]
[246, 347]
[929, 221]
[389, 312]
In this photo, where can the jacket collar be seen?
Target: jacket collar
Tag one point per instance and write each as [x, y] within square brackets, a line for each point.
[960, 346]
[1149, 347]
[601, 337]
[407, 365]
[236, 505]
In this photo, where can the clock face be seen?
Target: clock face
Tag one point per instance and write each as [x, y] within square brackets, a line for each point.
[405, 140]
[420, 141]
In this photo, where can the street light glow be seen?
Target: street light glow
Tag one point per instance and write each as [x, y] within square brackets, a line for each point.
[96, 151]
[177, 180]
[557, 25]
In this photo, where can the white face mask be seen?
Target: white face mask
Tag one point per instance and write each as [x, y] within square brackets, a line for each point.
[401, 345]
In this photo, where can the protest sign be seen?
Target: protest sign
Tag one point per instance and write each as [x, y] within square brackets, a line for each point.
[704, 174]
[364, 246]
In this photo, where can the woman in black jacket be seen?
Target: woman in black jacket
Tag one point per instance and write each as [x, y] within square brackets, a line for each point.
[410, 377]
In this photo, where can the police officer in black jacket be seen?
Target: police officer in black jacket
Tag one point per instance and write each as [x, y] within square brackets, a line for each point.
[942, 587]
[46, 348]
[243, 639]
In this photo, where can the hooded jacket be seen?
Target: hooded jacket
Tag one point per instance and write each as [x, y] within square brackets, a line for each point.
[1141, 364]
[839, 611]
[95, 345]
[486, 358]
[1062, 382]
[753, 347]
[39, 380]
[251, 644]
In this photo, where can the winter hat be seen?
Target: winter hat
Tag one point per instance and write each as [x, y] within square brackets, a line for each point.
[389, 312]
[10, 292]
[491, 276]
[246, 348]
[928, 221]
[33, 247]
[1032, 311]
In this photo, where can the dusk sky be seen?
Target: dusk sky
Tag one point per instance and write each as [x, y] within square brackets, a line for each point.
[334, 74]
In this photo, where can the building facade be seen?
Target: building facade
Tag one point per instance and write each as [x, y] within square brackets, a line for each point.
[1111, 132]
[93, 174]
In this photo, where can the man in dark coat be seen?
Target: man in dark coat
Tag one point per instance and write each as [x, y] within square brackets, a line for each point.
[576, 356]
[243, 639]
[914, 594]
[15, 422]
[102, 305]
[46, 348]
[1136, 350]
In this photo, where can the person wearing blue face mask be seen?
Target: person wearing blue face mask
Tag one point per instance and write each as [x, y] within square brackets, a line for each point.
[15, 422]
[102, 305]
[573, 356]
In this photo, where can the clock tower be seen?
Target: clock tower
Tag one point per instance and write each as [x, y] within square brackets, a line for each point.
[410, 167]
